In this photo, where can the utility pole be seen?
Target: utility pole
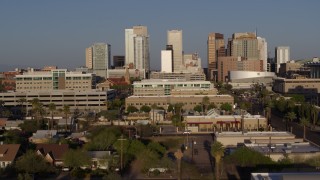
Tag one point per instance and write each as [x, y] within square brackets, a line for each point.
[121, 152]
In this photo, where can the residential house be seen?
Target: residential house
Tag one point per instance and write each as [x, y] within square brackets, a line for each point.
[98, 159]
[53, 153]
[8, 153]
[43, 136]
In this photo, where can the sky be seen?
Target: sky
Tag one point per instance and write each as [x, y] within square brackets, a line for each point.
[36, 33]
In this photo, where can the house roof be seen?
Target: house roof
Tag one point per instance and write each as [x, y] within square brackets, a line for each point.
[44, 134]
[56, 151]
[3, 122]
[98, 154]
[8, 152]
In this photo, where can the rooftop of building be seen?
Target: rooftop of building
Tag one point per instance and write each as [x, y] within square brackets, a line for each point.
[214, 113]
[254, 134]
[301, 147]
[8, 152]
[169, 81]
[286, 175]
[185, 96]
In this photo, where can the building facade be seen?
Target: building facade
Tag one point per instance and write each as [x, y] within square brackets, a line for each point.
[137, 48]
[59, 79]
[244, 45]
[98, 58]
[174, 38]
[229, 63]
[119, 62]
[159, 87]
[82, 100]
[196, 76]
[282, 54]
[215, 49]
[188, 101]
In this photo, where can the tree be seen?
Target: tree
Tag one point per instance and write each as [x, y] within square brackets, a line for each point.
[32, 163]
[246, 157]
[29, 126]
[102, 141]
[21, 102]
[132, 109]
[212, 105]
[52, 108]
[217, 151]
[66, 111]
[75, 158]
[304, 122]
[281, 104]
[226, 107]
[1, 107]
[170, 108]
[36, 108]
[198, 108]
[290, 116]
[205, 103]
[145, 109]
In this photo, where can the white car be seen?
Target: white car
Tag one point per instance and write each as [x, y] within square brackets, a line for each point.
[186, 132]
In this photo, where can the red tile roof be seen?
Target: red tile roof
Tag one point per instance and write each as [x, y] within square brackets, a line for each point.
[56, 151]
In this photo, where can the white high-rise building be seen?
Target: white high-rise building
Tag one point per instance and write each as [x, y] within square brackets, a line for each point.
[166, 61]
[263, 51]
[129, 46]
[282, 56]
[174, 38]
[137, 48]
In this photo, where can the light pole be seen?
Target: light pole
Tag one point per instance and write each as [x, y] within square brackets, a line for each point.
[121, 152]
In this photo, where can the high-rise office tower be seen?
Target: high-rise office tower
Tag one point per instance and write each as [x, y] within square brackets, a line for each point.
[174, 38]
[263, 52]
[282, 54]
[215, 49]
[244, 45]
[98, 58]
[137, 48]
[118, 61]
[89, 57]
[167, 59]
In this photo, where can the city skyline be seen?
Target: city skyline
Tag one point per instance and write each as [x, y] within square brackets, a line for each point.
[36, 33]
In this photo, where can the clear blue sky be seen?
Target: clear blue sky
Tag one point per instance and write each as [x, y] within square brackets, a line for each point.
[35, 33]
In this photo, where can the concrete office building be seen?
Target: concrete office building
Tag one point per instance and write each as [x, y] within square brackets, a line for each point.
[215, 49]
[282, 54]
[98, 58]
[82, 100]
[166, 61]
[118, 62]
[174, 38]
[195, 76]
[229, 63]
[137, 48]
[59, 79]
[192, 63]
[89, 57]
[263, 52]
[155, 87]
[135, 73]
[244, 45]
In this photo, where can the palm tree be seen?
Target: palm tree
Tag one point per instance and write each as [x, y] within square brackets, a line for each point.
[304, 122]
[205, 103]
[52, 108]
[36, 108]
[66, 111]
[21, 102]
[1, 107]
[217, 151]
[290, 116]
[314, 115]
